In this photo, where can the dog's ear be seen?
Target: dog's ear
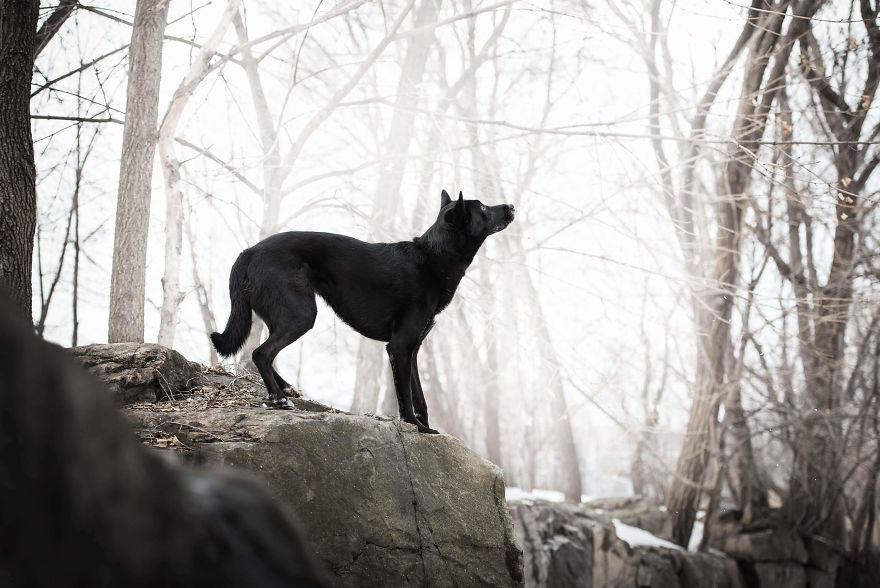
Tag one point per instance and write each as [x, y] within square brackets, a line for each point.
[459, 214]
[444, 199]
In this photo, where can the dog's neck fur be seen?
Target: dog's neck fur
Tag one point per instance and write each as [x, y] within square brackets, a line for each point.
[450, 257]
[456, 253]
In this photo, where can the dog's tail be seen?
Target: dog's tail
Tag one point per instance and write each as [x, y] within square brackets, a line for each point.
[239, 324]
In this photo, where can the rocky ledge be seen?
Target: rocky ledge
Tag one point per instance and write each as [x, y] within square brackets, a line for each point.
[381, 504]
[575, 545]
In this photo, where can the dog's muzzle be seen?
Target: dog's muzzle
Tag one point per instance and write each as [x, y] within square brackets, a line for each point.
[509, 214]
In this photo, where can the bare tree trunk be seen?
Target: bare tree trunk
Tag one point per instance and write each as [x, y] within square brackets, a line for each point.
[171, 294]
[128, 280]
[367, 377]
[76, 252]
[201, 292]
[642, 475]
[46, 300]
[272, 176]
[18, 193]
[549, 366]
[714, 311]
[492, 400]
[816, 486]
[389, 406]
[400, 133]
[53, 24]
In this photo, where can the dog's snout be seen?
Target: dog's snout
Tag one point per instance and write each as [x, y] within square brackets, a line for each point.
[510, 210]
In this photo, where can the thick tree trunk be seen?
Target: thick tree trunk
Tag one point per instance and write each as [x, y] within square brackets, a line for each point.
[127, 285]
[18, 194]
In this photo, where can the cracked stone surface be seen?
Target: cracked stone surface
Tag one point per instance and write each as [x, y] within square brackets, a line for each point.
[382, 504]
[139, 372]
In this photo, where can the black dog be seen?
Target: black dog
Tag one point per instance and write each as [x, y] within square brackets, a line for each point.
[385, 291]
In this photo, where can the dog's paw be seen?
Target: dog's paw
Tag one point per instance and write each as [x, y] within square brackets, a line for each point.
[281, 403]
[290, 391]
[428, 430]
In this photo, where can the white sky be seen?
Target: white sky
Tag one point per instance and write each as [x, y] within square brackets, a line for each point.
[593, 298]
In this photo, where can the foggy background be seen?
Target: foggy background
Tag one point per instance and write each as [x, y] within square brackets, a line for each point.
[578, 322]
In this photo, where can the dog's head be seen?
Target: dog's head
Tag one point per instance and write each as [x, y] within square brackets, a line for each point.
[472, 218]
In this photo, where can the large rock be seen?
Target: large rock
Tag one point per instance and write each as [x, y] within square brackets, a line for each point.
[139, 372]
[571, 545]
[636, 511]
[766, 545]
[382, 504]
[771, 554]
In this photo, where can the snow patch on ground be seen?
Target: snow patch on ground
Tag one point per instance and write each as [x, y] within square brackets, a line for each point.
[516, 493]
[696, 536]
[635, 536]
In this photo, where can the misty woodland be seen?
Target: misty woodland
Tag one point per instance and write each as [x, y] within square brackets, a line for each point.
[623, 254]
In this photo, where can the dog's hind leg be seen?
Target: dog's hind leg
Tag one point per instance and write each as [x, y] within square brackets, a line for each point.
[289, 314]
[282, 383]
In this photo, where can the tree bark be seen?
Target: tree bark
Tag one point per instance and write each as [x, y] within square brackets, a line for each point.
[18, 193]
[128, 280]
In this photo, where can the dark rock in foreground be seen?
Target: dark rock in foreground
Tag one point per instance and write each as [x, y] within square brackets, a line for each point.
[83, 504]
[381, 504]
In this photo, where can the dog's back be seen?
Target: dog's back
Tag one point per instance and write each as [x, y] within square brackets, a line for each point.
[366, 284]
[386, 291]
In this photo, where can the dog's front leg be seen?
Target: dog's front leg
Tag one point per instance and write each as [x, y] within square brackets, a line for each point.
[401, 354]
[420, 407]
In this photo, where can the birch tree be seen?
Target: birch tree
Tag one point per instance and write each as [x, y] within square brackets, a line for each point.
[128, 279]
[171, 292]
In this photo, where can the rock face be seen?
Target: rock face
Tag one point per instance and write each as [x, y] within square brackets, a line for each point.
[576, 545]
[771, 555]
[568, 545]
[139, 372]
[382, 504]
[636, 511]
